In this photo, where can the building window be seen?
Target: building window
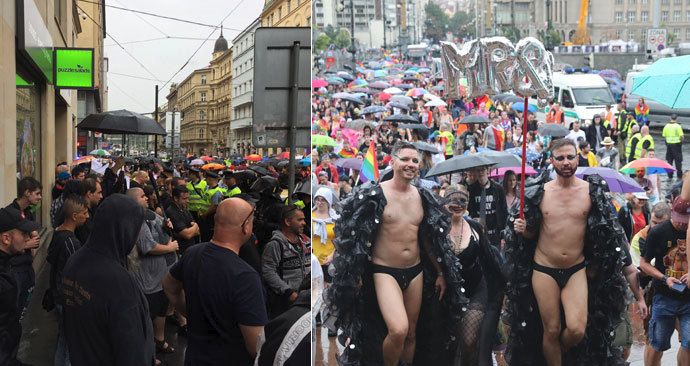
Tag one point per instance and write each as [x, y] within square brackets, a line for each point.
[664, 16]
[644, 16]
[203, 79]
[676, 16]
[643, 2]
[201, 133]
[676, 32]
[631, 34]
[631, 17]
[619, 17]
[687, 34]
[687, 16]
[619, 2]
[664, 2]
[619, 32]
[632, 1]
[203, 96]
[202, 115]
[289, 6]
[280, 13]
[677, 2]
[29, 129]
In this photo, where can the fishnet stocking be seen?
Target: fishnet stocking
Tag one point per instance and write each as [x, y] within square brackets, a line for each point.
[468, 331]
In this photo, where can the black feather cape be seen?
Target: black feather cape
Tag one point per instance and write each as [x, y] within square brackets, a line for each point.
[604, 243]
[351, 303]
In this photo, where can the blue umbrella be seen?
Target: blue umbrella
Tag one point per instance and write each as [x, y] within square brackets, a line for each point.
[520, 107]
[666, 82]
[532, 154]
[305, 162]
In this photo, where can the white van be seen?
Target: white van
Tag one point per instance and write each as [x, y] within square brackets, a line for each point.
[581, 95]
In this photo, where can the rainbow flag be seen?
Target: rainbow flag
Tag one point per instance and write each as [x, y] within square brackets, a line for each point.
[488, 103]
[370, 166]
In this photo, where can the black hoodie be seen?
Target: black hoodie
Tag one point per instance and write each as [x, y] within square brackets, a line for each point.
[106, 314]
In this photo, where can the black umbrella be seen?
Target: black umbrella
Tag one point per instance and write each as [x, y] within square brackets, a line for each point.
[553, 130]
[423, 146]
[352, 98]
[398, 105]
[413, 126]
[508, 98]
[458, 164]
[475, 118]
[502, 159]
[402, 118]
[259, 170]
[359, 124]
[121, 122]
[406, 86]
[410, 78]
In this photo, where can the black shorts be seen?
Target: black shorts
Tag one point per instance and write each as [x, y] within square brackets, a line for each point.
[158, 304]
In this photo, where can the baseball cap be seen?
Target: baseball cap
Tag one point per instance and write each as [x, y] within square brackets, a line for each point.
[11, 218]
[641, 195]
[64, 176]
[680, 211]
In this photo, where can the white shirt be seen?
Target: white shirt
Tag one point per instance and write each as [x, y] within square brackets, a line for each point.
[576, 135]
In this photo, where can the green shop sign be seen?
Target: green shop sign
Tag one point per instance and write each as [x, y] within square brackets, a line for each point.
[74, 68]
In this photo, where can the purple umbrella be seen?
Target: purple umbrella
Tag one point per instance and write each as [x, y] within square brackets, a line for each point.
[351, 163]
[616, 181]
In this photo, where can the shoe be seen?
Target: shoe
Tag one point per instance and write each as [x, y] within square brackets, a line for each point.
[183, 330]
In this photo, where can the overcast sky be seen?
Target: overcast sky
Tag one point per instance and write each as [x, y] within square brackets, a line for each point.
[164, 57]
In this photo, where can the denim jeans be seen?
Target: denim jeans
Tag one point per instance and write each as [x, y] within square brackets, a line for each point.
[665, 311]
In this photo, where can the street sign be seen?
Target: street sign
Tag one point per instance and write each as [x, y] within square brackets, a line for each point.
[273, 55]
[74, 68]
[656, 40]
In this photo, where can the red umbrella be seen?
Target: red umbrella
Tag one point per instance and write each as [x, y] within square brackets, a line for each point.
[284, 155]
[384, 96]
[318, 83]
[253, 157]
[206, 158]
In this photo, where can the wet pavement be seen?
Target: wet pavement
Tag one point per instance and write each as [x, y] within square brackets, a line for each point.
[39, 333]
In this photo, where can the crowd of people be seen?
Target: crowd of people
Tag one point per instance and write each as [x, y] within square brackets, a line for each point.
[221, 256]
[389, 249]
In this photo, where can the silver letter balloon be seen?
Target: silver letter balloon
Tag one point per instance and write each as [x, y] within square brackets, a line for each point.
[494, 65]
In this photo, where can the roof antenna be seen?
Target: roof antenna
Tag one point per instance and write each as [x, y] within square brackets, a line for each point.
[221, 29]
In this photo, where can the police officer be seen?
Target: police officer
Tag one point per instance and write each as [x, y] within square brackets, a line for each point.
[231, 189]
[199, 203]
[633, 141]
[673, 134]
[626, 131]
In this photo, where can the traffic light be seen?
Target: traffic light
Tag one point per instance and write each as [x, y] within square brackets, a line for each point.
[340, 6]
[589, 60]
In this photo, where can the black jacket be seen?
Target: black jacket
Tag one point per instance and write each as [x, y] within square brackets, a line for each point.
[10, 329]
[106, 315]
[591, 134]
[293, 328]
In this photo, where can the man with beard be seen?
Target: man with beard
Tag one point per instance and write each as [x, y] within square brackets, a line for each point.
[558, 278]
[285, 260]
[384, 273]
[106, 316]
[185, 229]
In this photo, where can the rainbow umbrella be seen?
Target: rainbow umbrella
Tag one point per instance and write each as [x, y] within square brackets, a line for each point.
[82, 160]
[416, 92]
[650, 166]
[358, 83]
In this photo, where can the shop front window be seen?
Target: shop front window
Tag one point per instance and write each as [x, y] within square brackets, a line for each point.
[28, 128]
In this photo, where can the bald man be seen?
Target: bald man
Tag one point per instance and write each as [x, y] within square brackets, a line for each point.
[223, 293]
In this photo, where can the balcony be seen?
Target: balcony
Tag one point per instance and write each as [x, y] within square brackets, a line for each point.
[241, 123]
